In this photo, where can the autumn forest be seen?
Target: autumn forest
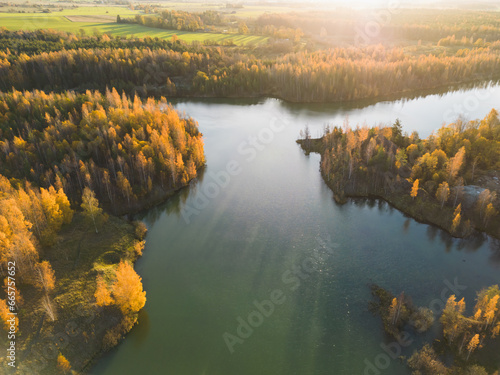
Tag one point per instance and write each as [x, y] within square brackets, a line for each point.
[98, 152]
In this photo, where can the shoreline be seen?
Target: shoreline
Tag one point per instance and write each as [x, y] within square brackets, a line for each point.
[421, 209]
[408, 94]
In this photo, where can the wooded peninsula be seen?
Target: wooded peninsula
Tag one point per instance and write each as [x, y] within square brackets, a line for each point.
[88, 138]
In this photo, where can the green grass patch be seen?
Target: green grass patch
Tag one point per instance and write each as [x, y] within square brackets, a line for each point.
[59, 21]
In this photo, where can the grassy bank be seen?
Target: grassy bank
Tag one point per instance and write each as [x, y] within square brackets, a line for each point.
[79, 332]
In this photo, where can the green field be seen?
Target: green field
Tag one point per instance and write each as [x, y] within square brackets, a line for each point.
[249, 10]
[61, 21]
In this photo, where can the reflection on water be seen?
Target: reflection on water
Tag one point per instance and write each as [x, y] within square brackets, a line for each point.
[202, 276]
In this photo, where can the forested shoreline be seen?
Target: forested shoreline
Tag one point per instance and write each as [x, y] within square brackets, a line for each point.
[67, 161]
[449, 179]
[333, 75]
[87, 134]
[127, 150]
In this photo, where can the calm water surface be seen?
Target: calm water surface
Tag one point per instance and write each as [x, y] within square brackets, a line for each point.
[224, 243]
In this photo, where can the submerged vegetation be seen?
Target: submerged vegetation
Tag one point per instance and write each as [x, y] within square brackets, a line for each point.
[463, 336]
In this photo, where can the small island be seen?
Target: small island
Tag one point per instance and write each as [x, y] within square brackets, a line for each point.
[462, 337]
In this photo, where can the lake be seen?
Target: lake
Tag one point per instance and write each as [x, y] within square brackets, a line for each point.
[255, 270]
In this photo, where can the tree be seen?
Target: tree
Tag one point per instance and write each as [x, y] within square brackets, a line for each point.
[459, 190]
[49, 308]
[490, 212]
[63, 364]
[102, 293]
[127, 289]
[485, 198]
[452, 319]
[243, 28]
[5, 315]
[124, 186]
[397, 133]
[17, 236]
[401, 158]
[394, 310]
[90, 206]
[473, 344]
[45, 276]
[457, 217]
[64, 206]
[487, 307]
[52, 213]
[426, 361]
[414, 189]
[455, 163]
[443, 192]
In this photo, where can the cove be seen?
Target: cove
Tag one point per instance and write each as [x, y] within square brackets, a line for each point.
[273, 226]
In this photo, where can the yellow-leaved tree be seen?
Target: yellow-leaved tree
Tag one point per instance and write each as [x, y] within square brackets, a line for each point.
[63, 364]
[127, 289]
[414, 189]
[102, 293]
[91, 209]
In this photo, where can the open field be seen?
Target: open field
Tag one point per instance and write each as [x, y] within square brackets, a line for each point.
[91, 19]
[87, 18]
[248, 10]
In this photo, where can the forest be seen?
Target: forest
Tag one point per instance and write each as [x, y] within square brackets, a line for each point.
[332, 28]
[87, 135]
[38, 41]
[48, 279]
[68, 161]
[127, 150]
[340, 74]
[178, 20]
[444, 179]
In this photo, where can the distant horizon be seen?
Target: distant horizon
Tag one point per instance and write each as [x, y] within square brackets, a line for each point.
[375, 3]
